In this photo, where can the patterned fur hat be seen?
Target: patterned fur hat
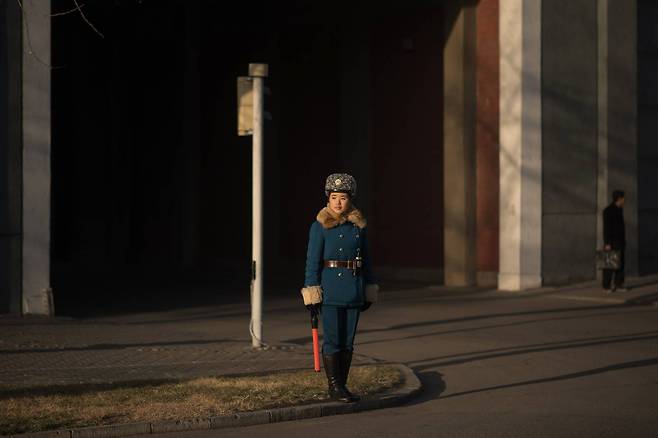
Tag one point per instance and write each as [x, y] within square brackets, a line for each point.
[340, 182]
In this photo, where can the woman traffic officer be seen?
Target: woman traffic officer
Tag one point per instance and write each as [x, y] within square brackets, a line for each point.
[338, 279]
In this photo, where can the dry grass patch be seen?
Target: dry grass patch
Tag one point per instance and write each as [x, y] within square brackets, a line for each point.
[93, 405]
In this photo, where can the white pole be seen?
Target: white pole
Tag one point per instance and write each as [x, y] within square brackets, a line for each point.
[257, 72]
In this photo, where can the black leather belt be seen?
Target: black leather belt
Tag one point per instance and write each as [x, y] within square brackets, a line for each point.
[349, 264]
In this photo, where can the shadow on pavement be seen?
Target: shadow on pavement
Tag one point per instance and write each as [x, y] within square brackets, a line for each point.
[586, 373]
[477, 318]
[78, 389]
[488, 327]
[643, 300]
[106, 347]
[537, 348]
[642, 283]
[494, 315]
[433, 386]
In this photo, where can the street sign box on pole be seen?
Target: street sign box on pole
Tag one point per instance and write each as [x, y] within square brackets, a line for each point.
[245, 106]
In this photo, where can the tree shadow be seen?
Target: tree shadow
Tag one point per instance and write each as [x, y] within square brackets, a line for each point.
[476, 318]
[486, 327]
[492, 315]
[570, 376]
[537, 348]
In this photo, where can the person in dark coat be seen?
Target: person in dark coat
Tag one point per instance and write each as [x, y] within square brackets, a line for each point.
[338, 279]
[614, 238]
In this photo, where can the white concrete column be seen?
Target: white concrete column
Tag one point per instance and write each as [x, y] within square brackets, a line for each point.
[520, 145]
[37, 296]
[459, 111]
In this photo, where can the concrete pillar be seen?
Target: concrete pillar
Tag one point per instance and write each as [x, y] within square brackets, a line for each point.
[37, 296]
[487, 142]
[520, 145]
[622, 117]
[459, 145]
[10, 157]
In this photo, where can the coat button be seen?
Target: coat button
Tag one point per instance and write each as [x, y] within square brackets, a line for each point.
[340, 273]
[340, 235]
[340, 249]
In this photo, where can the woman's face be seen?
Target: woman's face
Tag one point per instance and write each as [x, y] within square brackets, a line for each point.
[339, 202]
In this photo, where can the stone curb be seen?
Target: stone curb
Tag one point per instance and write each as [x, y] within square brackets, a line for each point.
[631, 301]
[411, 387]
[592, 292]
[602, 299]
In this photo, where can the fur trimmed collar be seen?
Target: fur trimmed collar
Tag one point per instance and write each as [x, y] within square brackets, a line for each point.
[329, 219]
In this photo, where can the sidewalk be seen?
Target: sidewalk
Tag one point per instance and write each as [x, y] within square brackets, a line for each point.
[37, 352]
[641, 291]
[201, 341]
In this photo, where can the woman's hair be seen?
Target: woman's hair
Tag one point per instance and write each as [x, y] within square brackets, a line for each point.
[617, 194]
[349, 196]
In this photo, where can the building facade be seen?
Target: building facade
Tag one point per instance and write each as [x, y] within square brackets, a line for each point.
[486, 137]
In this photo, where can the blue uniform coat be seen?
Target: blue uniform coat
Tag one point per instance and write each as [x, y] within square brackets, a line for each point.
[338, 239]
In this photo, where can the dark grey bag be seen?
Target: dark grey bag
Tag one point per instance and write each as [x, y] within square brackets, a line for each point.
[608, 259]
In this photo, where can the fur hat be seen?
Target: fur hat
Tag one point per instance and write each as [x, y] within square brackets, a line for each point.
[340, 182]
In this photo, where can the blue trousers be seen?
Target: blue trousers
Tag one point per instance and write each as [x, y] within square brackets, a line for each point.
[339, 328]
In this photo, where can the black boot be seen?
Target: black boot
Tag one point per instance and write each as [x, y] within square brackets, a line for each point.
[345, 364]
[337, 390]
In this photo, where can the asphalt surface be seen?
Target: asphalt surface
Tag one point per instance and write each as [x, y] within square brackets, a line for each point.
[569, 363]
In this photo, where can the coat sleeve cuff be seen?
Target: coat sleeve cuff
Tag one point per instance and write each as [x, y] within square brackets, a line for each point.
[312, 295]
[372, 292]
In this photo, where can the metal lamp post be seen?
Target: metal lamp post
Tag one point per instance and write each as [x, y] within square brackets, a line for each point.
[250, 122]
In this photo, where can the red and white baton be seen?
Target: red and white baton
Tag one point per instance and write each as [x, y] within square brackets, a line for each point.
[316, 343]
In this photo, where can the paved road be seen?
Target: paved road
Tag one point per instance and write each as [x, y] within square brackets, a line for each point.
[567, 363]
[555, 362]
